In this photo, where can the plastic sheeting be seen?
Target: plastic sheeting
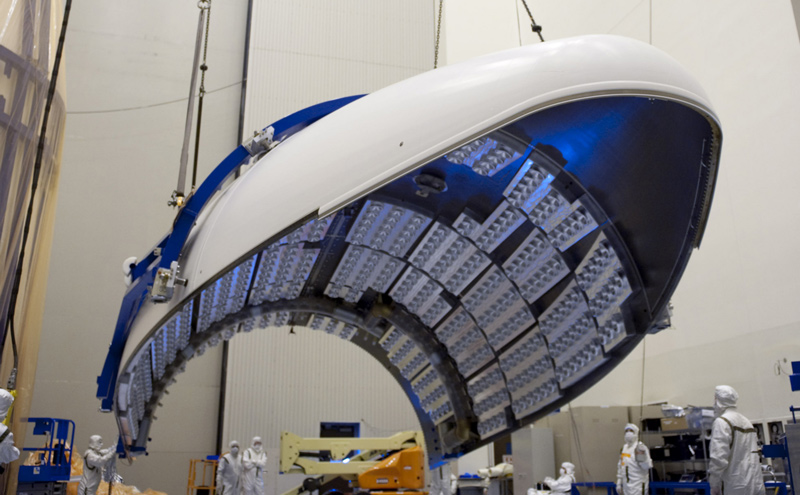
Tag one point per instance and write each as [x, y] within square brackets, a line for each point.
[29, 32]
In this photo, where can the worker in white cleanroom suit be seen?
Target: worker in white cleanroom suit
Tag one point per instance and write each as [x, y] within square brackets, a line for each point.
[633, 469]
[94, 460]
[229, 471]
[734, 468]
[8, 452]
[254, 462]
[565, 480]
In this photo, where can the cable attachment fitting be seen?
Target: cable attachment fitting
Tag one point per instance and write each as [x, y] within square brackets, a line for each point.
[12, 379]
[261, 142]
[663, 320]
[165, 282]
[536, 28]
[177, 199]
[204, 4]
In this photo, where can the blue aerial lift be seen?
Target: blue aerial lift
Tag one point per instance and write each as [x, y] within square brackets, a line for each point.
[51, 472]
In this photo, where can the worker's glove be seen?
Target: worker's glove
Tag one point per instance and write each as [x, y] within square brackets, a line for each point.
[619, 488]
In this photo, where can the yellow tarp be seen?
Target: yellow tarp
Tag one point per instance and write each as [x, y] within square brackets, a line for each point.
[77, 470]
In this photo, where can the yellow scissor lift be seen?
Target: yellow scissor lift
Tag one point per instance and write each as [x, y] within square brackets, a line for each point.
[402, 471]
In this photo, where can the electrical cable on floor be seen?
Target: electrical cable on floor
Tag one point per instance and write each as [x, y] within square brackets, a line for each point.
[37, 167]
[534, 27]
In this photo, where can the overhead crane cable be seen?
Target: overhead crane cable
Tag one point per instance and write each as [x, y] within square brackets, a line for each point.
[534, 27]
[203, 69]
[641, 398]
[587, 475]
[178, 196]
[438, 32]
[37, 167]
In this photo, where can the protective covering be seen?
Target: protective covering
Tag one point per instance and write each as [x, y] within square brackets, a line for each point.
[96, 442]
[497, 243]
[254, 462]
[724, 397]
[94, 460]
[6, 399]
[633, 468]
[8, 452]
[565, 480]
[29, 31]
[502, 469]
[229, 471]
[734, 467]
[117, 488]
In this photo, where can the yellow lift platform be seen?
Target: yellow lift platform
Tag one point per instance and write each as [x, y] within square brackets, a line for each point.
[384, 466]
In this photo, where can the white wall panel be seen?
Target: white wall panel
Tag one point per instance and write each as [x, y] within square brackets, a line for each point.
[476, 27]
[309, 51]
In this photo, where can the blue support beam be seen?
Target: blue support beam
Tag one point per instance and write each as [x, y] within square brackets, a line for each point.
[170, 247]
[794, 378]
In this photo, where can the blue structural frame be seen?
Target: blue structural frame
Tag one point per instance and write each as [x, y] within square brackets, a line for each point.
[169, 248]
[56, 457]
[794, 378]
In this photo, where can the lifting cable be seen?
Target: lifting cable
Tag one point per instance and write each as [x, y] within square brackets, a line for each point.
[641, 398]
[37, 167]
[179, 195]
[436, 43]
[587, 475]
[203, 69]
[534, 27]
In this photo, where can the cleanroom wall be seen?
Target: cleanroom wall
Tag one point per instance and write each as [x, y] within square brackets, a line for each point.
[128, 70]
[735, 310]
[130, 67]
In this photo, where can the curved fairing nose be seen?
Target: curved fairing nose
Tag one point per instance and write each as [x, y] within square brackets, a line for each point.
[498, 233]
